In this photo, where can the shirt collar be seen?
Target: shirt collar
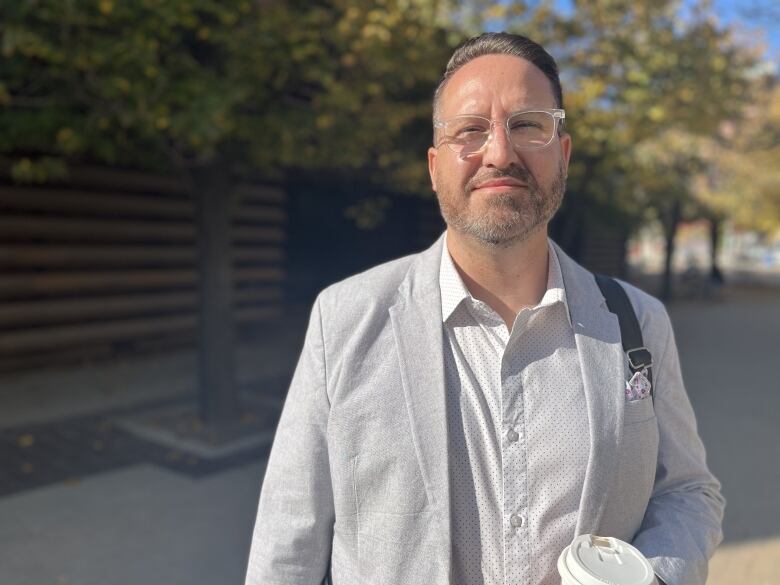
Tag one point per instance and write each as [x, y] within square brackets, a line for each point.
[454, 291]
[556, 291]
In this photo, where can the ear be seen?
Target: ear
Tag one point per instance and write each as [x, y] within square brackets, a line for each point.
[565, 141]
[432, 154]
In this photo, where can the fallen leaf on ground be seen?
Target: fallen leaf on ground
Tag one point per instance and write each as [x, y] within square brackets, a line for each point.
[26, 440]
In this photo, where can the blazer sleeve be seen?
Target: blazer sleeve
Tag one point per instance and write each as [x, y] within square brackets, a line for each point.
[682, 524]
[293, 532]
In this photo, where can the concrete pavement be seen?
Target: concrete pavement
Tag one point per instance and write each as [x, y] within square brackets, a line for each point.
[729, 353]
[141, 525]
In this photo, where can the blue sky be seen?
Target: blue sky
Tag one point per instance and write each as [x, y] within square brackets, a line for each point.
[738, 12]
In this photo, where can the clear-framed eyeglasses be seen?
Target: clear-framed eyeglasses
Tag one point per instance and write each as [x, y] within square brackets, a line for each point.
[527, 130]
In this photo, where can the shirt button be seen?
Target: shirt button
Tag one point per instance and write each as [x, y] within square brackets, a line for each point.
[516, 521]
[512, 435]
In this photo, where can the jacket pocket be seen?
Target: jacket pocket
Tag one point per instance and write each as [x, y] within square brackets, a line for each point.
[390, 498]
[638, 411]
[633, 480]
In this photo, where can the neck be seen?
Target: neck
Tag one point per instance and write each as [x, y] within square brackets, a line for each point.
[506, 278]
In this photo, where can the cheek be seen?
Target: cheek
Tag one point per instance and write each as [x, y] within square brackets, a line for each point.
[453, 172]
[545, 169]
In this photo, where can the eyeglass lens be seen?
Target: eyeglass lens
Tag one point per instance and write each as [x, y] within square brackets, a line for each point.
[527, 130]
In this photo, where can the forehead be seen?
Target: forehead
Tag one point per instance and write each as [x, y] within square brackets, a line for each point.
[494, 84]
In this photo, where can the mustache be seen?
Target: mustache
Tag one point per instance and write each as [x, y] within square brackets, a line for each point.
[516, 172]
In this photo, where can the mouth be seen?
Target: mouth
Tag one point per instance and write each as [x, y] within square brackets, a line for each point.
[499, 185]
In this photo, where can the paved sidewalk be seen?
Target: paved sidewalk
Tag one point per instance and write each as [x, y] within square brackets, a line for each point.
[91, 503]
[141, 525]
[148, 524]
[729, 358]
[752, 563]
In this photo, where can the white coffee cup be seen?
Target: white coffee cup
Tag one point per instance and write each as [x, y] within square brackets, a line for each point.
[599, 560]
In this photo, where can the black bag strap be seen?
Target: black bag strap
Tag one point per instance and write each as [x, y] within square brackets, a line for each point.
[639, 357]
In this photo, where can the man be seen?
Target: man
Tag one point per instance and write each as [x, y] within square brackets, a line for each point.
[459, 415]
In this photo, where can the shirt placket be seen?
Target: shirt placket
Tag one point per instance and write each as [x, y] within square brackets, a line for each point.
[514, 460]
[510, 426]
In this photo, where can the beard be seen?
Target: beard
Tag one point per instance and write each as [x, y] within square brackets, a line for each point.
[509, 217]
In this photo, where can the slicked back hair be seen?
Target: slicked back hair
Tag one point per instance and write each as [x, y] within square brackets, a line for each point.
[501, 43]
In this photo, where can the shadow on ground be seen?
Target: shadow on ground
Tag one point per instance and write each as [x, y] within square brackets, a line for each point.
[729, 353]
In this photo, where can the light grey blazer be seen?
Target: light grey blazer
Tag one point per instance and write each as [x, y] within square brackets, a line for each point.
[357, 481]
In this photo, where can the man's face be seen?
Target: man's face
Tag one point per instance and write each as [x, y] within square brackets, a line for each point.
[526, 186]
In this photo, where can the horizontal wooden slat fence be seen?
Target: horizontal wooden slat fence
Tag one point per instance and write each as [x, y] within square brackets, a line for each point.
[106, 266]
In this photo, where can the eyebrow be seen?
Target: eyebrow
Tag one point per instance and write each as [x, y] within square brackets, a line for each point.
[512, 113]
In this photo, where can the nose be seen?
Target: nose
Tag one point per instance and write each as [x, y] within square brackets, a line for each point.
[498, 151]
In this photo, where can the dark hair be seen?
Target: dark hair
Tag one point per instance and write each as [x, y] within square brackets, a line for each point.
[501, 43]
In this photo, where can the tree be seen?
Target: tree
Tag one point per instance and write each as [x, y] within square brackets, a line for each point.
[209, 89]
[667, 165]
[638, 75]
[742, 181]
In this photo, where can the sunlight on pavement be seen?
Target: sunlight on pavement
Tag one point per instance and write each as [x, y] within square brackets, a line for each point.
[756, 562]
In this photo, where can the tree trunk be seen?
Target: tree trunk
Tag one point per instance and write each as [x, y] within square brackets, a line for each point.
[569, 225]
[716, 276]
[216, 332]
[670, 231]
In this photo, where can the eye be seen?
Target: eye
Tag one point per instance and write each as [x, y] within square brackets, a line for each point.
[471, 129]
[467, 128]
[531, 123]
[525, 124]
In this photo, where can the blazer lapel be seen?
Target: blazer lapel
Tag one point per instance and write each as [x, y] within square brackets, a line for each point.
[597, 335]
[417, 328]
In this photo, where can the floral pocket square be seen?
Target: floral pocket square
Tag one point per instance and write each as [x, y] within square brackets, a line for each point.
[638, 387]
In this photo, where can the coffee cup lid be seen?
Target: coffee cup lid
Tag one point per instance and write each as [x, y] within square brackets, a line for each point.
[599, 560]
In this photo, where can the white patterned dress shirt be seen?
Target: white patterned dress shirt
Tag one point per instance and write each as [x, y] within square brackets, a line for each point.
[518, 433]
